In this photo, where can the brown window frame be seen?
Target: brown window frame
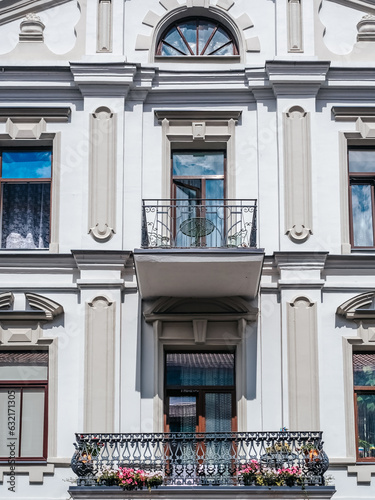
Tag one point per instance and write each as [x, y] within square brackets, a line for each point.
[358, 390]
[191, 53]
[360, 178]
[200, 391]
[21, 180]
[32, 384]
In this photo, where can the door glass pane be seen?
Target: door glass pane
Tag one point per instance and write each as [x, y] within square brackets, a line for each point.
[214, 212]
[195, 369]
[366, 425]
[25, 216]
[362, 215]
[364, 369]
[26, 164]
[361, 161]
[32, 423]
[182, 413]
[218, 412]
[10, 410]
[198, 164]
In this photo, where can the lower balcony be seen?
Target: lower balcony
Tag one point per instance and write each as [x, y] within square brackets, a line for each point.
[221, 464]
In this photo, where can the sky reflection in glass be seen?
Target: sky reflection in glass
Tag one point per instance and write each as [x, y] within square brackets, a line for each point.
[361, 161]
[26, 164]
[198, 164]
[362, 215]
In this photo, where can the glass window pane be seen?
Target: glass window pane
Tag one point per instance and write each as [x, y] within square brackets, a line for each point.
[364, 369]
[204, 33]
[169, 51]
[174, 39]
[198, 164]
[32, 423]
[198, 369]
[26, 216]
[21, 365]
[182, 414]
[219, 39]
[26, 164]
[362, 215]
[218, 412]
[189, 30]
[9, 406]
[225, 51]
[361, 161]
[366, 425]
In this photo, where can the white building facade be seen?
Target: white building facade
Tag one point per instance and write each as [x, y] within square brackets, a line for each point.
[187, 263]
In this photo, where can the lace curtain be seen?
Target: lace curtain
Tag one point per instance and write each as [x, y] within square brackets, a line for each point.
[26, 216]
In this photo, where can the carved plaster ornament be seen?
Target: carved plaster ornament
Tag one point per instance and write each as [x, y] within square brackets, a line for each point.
[366, 29]
[32, 28]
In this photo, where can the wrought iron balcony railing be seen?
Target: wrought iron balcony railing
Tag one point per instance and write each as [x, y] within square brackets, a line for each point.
[201, 459]
[199, 223]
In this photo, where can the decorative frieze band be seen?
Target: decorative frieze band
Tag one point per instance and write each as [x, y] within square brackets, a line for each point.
[102, 178]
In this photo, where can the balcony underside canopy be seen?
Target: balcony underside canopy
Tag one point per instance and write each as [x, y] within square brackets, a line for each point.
[198, 272]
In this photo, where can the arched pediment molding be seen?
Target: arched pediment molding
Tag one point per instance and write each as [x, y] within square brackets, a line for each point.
[46, 309]
[6, 300]
[50, 308]
[184, 309]
[174, 11]
[358, 307]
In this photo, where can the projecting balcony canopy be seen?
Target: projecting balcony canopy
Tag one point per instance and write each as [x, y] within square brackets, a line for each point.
[199, 248]
[198, 272]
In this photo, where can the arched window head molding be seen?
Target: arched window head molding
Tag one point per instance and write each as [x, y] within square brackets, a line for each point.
[361, 310]
[238, 27]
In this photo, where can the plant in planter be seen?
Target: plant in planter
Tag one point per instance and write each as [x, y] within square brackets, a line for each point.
[107, 476]
[291, 476]
[154, 479]
[250, 472]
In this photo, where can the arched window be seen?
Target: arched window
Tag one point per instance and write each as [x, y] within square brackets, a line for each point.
[196, 37]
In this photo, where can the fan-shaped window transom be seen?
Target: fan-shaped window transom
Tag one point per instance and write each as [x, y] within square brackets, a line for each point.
[196, 37]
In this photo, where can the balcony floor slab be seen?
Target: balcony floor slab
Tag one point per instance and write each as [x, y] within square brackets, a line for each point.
[204, 493]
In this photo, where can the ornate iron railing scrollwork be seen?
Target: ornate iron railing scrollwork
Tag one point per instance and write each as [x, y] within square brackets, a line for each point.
[211, 223]
[200, 459]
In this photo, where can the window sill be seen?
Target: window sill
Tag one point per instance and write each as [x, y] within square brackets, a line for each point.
[194, 59]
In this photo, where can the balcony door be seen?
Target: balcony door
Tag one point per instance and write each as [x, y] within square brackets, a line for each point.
[200, 408]
[198, 190]
[200, 392]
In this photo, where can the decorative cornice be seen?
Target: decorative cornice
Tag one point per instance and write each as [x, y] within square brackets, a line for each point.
[98, 79]
[297, 77]
[197, 115]
[10, 10]
[51, 115]
[103, 260]
[362, 5]
[305, 260]
[351, 113]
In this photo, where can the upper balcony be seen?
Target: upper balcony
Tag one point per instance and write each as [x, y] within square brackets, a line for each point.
[195, 241]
